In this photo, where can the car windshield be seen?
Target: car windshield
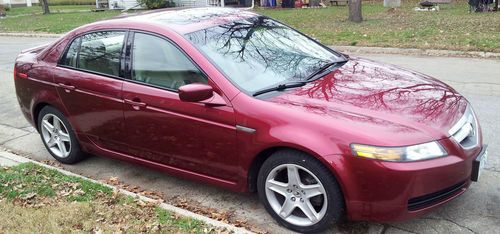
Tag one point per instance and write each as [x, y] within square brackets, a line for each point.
[258, 52]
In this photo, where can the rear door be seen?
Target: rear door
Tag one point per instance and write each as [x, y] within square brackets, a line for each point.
[89, 79]
[163, 129]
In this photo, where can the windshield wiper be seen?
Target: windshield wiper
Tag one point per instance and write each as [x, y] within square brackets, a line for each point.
[310, 78]
[323, 68]
[280, 87]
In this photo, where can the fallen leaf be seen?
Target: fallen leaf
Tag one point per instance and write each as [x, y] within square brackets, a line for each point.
[29, 196]
[113, 179]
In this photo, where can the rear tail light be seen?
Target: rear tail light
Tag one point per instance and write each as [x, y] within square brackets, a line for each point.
[22, 75]
[19, 74]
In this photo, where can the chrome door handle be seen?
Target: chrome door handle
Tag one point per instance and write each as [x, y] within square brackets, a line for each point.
[136, 103]
[66, 87]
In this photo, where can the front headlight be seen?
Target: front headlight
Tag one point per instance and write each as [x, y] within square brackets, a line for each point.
[400, 154]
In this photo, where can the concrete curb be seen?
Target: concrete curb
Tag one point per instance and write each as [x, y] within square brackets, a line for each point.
[10, 157]
[347, 49]
[417, 52]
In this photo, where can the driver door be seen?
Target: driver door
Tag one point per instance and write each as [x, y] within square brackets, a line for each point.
[162, 128]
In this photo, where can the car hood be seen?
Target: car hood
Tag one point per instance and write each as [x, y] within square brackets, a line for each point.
[379, 101]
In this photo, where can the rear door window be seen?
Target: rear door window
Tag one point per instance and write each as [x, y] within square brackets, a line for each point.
[100, 52]
[97, 52]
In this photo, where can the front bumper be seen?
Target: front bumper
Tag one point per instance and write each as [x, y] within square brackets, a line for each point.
[391, 191]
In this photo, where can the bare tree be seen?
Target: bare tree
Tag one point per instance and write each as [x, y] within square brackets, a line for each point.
[355, 11]
[45, 6]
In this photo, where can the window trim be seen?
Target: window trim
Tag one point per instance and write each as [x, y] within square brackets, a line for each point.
[131, 39]
[62, 56]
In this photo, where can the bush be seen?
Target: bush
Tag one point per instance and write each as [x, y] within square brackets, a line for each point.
[156, 4]
[3, 9]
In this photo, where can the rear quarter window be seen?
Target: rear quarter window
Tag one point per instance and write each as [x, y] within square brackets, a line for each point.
[69, 59]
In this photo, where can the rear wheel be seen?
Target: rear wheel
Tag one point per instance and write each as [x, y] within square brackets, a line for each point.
[299, 192]
[58, 136]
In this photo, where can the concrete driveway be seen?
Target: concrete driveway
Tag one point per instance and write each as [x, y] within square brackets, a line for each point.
[476, 211]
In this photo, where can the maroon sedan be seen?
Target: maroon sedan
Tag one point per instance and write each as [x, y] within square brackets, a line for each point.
[239, 100]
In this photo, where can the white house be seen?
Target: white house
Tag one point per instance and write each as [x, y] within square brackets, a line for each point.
[11, 3]
[132, 4]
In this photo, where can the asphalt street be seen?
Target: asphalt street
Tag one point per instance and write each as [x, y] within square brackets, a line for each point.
[476, 211]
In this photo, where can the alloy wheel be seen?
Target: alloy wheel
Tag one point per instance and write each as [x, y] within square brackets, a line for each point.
[296, 194]
[56, 136]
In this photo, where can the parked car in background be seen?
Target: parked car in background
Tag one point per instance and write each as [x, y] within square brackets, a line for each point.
[241, 101]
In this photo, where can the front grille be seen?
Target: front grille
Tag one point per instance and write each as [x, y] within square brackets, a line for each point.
[433, 198]
[465, 131]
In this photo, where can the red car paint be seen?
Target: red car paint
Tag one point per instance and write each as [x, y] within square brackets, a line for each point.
[361, 102]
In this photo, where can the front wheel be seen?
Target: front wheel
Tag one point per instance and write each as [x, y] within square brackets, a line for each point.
[58, 136]
[299, 192]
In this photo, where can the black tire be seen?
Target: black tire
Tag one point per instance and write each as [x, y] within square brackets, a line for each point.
[335, 200]
[75, 152]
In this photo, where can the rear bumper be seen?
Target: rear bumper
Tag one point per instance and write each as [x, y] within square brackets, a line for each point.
[389, 191]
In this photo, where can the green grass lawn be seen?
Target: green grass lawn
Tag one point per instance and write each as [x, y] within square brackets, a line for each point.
[61, 20]
[451, 28]
[34, 199]
[54, 9]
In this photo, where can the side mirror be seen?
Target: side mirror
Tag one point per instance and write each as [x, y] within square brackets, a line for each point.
[195, 92]
[201, 93]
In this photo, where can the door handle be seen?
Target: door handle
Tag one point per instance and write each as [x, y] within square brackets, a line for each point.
[66, 87]
[136, 103]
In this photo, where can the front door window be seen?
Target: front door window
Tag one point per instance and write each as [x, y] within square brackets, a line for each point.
[159, 63]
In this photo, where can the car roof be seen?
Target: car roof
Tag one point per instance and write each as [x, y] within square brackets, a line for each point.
[189, 20]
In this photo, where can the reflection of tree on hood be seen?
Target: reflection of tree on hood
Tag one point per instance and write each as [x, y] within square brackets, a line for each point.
[376, 92]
